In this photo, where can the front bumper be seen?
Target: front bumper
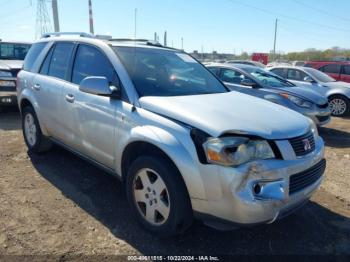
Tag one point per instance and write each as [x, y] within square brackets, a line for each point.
[231, 194]
[320, 117]
[8, 94]
[8, 98]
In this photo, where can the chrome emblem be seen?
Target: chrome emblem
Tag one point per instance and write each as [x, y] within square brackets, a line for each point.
[307, 145]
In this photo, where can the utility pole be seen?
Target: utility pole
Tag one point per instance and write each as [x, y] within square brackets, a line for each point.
[155, 36]
[56, 23]
[135, 23]
[274, 42]
[91, 20]
[182, 43]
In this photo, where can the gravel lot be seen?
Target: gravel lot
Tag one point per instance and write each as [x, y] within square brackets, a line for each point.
[58, 204]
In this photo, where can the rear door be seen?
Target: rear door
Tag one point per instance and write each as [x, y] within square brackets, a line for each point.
[345, 75]
[49, 83]
[91, 124]
[332, 70]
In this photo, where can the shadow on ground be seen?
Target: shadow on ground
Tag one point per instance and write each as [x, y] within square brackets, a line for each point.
[312, 230]
[334, 137]
[10, 119]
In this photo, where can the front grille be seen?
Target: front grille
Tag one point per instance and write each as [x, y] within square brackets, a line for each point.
[14, 72]
[322, 118]
[306, 178]
[323, 106]
[303, 145]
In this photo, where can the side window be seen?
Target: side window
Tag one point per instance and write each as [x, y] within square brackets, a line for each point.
[32, 54]
[279, 71]
[333, 68]
[44, 70]
[231, 76]
[346, 70]
[90, 61]
[296, 75]
[60, 60]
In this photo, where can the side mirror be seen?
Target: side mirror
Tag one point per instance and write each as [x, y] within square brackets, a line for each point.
[248, 82]
[308, 79]
[98, 85]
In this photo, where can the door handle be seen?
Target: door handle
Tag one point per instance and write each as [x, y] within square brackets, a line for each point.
[36, 87]
[70, 98]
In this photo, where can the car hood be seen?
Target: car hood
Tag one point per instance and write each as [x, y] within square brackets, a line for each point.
[302, 92]
[232, 112]
[11, 64]
[337, 84]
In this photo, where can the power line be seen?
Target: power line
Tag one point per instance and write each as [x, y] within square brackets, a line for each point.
[321, 11]
[288, 17]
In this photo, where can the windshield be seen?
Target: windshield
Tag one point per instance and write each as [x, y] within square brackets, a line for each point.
[318, 75]
[12, 51]
[267, 79]
[157, 72]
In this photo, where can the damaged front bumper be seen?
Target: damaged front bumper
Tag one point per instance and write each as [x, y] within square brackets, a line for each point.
[260, 191]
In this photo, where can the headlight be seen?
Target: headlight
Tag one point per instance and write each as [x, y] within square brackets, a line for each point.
[297, 100]
[5, 73]
[314, 129]
[234, 151]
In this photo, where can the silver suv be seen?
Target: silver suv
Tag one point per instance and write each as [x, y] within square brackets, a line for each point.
[183, 145]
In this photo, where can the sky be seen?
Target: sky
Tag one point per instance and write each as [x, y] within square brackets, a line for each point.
[230, 26]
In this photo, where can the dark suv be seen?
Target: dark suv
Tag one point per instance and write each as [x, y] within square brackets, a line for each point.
[12, 55]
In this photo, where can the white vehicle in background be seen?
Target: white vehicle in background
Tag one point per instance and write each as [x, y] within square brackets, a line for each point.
[337, 92]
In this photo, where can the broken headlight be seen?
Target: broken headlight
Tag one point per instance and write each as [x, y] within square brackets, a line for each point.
[234, 151]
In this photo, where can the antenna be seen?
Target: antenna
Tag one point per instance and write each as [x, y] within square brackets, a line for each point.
[43, 23]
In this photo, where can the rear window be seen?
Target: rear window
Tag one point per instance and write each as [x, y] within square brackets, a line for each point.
[60, 60]
[32, 55]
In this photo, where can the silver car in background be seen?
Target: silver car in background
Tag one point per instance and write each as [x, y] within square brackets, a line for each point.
[183, 145]
[257, 82]
[337, 92]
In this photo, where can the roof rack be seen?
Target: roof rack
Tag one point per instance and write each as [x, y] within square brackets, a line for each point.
[145, 41]
[82, 34]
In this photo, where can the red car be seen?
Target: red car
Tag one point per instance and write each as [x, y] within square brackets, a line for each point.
[340, 71]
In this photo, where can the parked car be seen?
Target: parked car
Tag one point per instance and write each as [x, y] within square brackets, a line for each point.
[337, 92]
[261, 83]
[183, 145]
[246, 62]
[11, 59]
[340, 71]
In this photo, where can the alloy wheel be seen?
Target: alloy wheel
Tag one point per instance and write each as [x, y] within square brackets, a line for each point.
[30, 129]
[337, 106]
[151, 196]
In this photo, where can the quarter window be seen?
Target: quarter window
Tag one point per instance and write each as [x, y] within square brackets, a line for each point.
[32, 55]
[90, 61]
[60, 60]
[333, 69]
[296, 75]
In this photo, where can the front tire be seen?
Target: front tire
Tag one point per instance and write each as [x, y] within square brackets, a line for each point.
[339, 105]
[34, 138]
[158, 196]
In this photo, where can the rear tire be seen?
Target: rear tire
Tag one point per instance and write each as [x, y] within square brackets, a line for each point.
[34, 138]
[158, 196]
[339, 105]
